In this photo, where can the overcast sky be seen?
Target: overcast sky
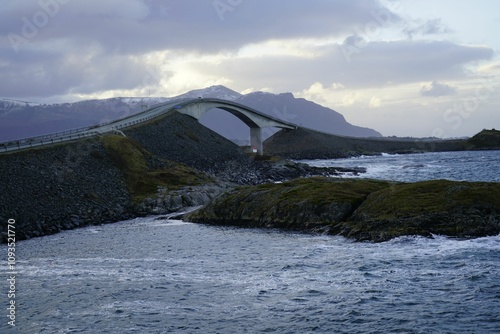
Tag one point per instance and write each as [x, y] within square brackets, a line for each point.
[405, 68]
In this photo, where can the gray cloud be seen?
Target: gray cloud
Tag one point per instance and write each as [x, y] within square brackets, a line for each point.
[410, 61]
[51, 73]
[52, 47]
[377, 64]
[136, 26]
[436, 89]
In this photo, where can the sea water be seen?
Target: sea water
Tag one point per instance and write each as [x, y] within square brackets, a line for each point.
[457, 166]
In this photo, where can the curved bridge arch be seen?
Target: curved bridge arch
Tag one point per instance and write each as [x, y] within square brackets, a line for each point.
[255, 119]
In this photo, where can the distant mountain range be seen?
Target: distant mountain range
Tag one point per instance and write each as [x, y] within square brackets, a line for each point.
[24, 119]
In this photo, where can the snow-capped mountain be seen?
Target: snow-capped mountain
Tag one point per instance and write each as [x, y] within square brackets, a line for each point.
[24, 119]
[9, 106]
[20, 121]
[218, 91]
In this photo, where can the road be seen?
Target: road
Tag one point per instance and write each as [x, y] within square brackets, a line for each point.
[89, 131]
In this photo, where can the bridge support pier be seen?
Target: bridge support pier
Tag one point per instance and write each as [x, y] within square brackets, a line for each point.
[256, 139]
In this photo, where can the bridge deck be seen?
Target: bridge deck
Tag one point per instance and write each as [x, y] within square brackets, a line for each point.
[141, 118]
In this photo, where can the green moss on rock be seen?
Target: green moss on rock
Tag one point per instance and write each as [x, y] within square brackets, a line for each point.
[362, 209]
[458, 209]
[141, 179]
[410, 199]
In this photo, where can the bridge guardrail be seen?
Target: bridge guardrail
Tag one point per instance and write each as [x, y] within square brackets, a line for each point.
[17, 145]
[82, 132]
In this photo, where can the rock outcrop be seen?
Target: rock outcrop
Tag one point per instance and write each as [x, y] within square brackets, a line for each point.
[364, 210]
[301, 204]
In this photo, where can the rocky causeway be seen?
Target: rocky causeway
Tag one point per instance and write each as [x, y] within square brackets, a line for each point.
[174, 163]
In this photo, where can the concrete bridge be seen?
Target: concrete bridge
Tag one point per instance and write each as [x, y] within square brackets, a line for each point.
[195, 108]
[255, 119]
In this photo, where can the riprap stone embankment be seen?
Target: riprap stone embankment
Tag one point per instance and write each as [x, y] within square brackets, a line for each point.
[61, 187]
